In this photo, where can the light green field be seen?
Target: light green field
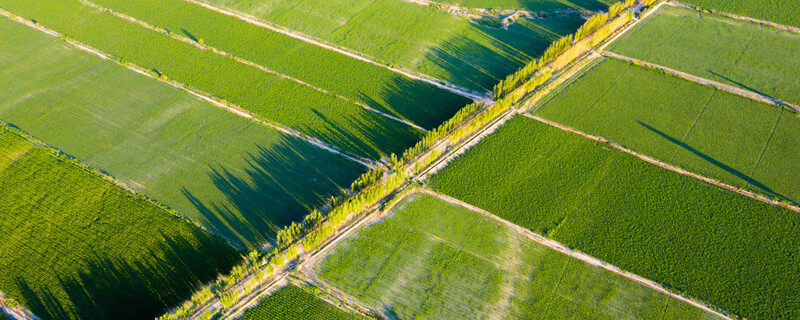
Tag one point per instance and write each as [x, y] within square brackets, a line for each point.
[293, 303]
[752, 56]
[239, 179]
[723, 136]
[430, 259]
[73, 245]
[535, 5]
[780, 11]
[416, 37]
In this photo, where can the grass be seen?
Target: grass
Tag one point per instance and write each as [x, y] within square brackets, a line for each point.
[535, 5]
[753, 57]
[779, 11]
[324, 116]
[430, 259]
[729, 250]
[239, 179]
[684, 124]
[419, 38]
[380, 88]
[73, 245]
[290, 303]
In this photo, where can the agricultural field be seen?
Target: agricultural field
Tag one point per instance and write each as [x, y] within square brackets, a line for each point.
[729, 250]
[778, 11]
[685, 124]
[758, 58]
[237, 178]
[293, 303]
[322, 115]
[535, 5]
[420, 38]
[430, 259]
[73, 245]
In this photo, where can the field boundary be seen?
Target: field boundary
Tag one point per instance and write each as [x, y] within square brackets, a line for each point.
[342, 50]
[734, 16]
[195, 92]
[14, 310]
[557, 246]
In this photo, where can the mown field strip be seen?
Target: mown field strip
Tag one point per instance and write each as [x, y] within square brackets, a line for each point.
[555, 245]
[350, 53]
[706, 82]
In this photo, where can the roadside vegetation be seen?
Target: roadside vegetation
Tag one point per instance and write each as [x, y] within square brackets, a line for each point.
[293, 303]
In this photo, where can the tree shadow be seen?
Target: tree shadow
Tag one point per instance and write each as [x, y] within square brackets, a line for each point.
[115, 288]
[278, 186]
[717, 163]
[739, 84]
[542, 5]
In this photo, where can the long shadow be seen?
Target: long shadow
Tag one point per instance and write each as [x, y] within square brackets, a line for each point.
[112, 288]
[717, 163]
[739, 84]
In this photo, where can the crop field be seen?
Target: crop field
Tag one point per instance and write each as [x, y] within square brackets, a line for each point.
[293, 303]
[729, 250]
[380, 88]
[754, 57]
[321, 115]
[73, 245]
[434, 260]
[685, 124]
[416, 37]
[239, 179]
[535, 5]
[785, 12]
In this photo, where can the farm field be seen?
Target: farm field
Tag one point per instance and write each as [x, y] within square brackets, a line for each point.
[429, 259]
[535, 5]
[378, 87]
[293, 303]
[239, 179]
[325, 116]
[73, 245]
[642, 218]
[419, 38]
[754, 57]
[685, 124]
[778, 11]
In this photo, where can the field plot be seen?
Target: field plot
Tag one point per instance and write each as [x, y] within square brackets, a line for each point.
[785, 12]
[293, 303]
[324, 116]
[416, 37]
[534, 5]
[435, 260]
[73, 245]
[239, 179]
[754, 57]
[732, 251]
[685, 124]
[378, 87]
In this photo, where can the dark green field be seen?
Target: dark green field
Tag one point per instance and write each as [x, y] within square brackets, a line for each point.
[729, 250]
[293, 303]
[75, 246]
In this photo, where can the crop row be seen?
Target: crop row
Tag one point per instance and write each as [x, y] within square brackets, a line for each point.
[291, 302]
[780, 11]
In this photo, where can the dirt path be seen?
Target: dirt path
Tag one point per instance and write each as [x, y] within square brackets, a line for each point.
[14, 312]
[706, 82]
[738, 17]
[557, 246]
[350, 53]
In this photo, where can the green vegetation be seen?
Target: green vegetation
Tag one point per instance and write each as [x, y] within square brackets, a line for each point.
[732, 251]
[685, 124]
[534, 5]
[73, 245]
[785, 12]
[753, 57]
[237, 178]
[420, 38]
[293, 303]
[270, 97]
[434, 260]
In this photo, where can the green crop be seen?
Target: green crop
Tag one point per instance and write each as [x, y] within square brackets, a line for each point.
[293, 303]
[781, 11]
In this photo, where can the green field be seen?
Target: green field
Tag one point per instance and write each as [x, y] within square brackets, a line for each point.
[753, 57]
[380, 88]
[239, 179]
[324, 116]
[75, 246]
[685, 124]
[416, 37]
[732, 251]
[293, 303]
[535, 5]
[785, 12]
[434, 260]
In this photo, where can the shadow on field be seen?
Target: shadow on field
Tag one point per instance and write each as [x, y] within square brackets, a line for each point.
[718, 164]
[111, 288]
[739, 84]
[280, 185]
